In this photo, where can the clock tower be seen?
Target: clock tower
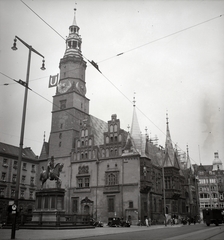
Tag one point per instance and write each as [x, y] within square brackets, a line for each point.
[70, 105]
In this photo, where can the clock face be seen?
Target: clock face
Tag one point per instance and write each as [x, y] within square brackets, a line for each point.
[64, 86]
[81, 88]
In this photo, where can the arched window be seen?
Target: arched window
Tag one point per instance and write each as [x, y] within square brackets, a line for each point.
[90, 142]
[86, 132]
[119, 138]
[111, 152]
[103, 153]
[107, 139]
[83, 133]
[107, 152]
[111, 128]
[115, 152]
[115, 128]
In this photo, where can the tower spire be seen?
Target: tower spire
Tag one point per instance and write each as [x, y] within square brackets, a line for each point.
[74, 40]
[135, 129]
[170, 160]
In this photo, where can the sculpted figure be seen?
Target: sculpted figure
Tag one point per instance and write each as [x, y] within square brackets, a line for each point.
[52, 172]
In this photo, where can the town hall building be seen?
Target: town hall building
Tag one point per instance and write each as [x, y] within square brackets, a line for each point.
[109, 172]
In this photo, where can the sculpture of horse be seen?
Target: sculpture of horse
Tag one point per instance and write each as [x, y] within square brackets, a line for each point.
[52, 175]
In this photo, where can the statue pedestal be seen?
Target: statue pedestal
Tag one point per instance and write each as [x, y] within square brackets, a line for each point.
[49, 205]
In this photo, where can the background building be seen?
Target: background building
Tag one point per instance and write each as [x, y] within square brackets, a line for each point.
[211, 184]
[28, 181]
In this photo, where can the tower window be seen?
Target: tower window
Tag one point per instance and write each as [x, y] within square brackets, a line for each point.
[61, 125]
[131, 204]
[60, 135]
[62, 104]
[59, 144]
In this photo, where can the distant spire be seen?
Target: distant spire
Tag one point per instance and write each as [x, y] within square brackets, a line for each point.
[44, 136]
[189, 166]
[135, 129]
[169, 160]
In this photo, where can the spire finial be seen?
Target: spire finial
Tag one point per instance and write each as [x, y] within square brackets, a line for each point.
[128, 127]
[134, 100]
[44, 136]
[187, 148]
[74, 20]
[167, 119]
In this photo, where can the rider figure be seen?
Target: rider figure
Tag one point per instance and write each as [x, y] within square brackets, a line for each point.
[51, 166]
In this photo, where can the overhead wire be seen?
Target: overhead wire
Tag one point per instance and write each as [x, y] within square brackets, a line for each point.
[119, 54]
[158, 39]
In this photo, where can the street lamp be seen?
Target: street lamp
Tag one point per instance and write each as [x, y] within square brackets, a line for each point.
[31, 49]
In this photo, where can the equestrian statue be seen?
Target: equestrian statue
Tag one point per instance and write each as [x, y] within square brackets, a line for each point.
[52, 173]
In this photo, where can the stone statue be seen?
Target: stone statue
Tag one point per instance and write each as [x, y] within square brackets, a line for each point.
[52, 173]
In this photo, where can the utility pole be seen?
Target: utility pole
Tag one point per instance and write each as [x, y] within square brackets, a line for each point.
[25, 84]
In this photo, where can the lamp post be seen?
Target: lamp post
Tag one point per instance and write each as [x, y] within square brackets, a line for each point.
[31, 49]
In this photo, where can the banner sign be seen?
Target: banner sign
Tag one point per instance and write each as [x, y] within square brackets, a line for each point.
[53, 81]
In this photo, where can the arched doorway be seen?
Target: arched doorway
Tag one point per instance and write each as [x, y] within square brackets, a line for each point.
[86, 209]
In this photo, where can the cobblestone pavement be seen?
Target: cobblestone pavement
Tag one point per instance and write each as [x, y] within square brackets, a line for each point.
[25, 234]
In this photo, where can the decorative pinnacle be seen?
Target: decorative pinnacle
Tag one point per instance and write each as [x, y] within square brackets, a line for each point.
[134, 100]
[167, 119]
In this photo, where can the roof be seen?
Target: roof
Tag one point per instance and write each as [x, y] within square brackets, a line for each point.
[44, 151]
[98, 127]
[27, 152]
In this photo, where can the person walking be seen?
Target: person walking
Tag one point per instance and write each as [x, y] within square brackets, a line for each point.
[146, 222]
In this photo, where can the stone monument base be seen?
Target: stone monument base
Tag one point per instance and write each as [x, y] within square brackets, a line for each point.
[49, 205]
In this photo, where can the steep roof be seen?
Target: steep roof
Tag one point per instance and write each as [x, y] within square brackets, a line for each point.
[27, 152]
[129, 148]
[135, 132]
[170, 158]
[44, 151]
[98, 127]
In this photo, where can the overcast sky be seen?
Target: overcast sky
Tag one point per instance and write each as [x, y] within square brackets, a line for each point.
[173, 60]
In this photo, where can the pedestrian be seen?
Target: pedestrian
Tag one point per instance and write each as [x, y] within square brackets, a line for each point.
[150, 222]
[146, 222]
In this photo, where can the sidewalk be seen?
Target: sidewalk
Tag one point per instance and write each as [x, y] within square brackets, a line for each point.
[24, 234]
